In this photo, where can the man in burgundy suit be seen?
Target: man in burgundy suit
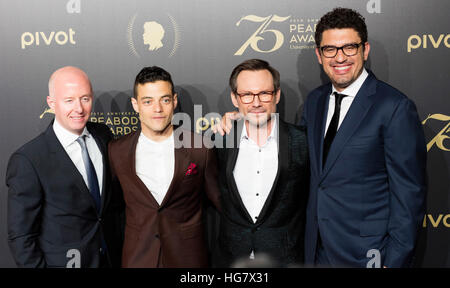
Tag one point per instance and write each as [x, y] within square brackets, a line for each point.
[163, 179]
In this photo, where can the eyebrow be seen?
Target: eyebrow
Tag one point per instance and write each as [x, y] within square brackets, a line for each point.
[151, 97]
[71, 96]
[351, 43]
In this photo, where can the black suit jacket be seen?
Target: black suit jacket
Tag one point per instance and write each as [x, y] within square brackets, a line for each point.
[50, 209]
[279, 230]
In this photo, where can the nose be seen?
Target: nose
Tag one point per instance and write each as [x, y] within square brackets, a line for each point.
[157, 107]
[340, 56]
[78, 106]
[256, 102]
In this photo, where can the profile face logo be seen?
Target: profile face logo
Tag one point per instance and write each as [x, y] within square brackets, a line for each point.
[153, 34]
[262, 32]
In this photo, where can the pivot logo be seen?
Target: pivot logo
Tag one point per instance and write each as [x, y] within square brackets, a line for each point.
[436, 221]
[153, 35]
[261, 33]
[416, 41]
[38, 38]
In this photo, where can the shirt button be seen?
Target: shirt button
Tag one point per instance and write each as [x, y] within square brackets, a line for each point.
[257, 194]
[156, 235]
[257, 172]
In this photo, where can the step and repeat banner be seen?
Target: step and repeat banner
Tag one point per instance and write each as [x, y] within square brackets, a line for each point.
[199, 42]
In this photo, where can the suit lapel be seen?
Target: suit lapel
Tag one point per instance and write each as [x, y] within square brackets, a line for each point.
[358, 110]
[181, 165]
[130, 161]
[65, 164]
[318, 128]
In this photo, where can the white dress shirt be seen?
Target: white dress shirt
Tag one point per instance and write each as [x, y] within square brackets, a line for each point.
[255, 170]
[69, 142]
[347, 101]
[155, 164]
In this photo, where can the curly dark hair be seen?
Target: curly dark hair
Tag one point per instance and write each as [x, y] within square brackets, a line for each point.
[340, 18]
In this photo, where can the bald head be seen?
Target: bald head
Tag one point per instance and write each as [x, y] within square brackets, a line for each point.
[67, 75]
[70, 97]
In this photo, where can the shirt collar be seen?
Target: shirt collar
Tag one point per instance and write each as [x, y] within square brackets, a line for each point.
[244, 135]
[65, 136]
[168, 142]
[353, 88]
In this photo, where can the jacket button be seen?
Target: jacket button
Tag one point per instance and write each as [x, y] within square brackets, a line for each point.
[156, 235]
[255, 229]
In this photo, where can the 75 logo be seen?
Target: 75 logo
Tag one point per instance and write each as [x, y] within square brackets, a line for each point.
[441, 136]
[262, 29]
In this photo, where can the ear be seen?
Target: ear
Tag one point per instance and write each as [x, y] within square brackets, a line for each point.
[277, 96]
[234, 100]
[366, 50]
[51, 103]
[319, 58]
[135, 104]
[175, 100]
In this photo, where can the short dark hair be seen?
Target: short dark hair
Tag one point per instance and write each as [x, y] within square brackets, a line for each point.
[152, 74]
[340, 18]
[254, 65]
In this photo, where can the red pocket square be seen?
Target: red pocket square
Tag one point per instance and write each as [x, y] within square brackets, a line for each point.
[191, 170]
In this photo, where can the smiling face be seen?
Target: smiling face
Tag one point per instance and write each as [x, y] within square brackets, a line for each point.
[342, 70]
[155, 105]
[257, 113]
[70, 98]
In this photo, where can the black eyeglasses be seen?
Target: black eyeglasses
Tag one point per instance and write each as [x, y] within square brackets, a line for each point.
[248, 97]
[347, 49]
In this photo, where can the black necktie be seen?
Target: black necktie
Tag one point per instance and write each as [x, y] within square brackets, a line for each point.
[90, 171]
[332, 128]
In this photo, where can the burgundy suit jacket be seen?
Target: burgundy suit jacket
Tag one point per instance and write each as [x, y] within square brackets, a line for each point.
[171, 234]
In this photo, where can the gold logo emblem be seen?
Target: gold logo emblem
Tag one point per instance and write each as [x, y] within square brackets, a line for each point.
[46, 110]
[158, 32]
[440, 137]
[261, 32]
[153, 35]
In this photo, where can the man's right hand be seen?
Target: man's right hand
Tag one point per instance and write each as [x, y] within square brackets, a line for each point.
[225, 125]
